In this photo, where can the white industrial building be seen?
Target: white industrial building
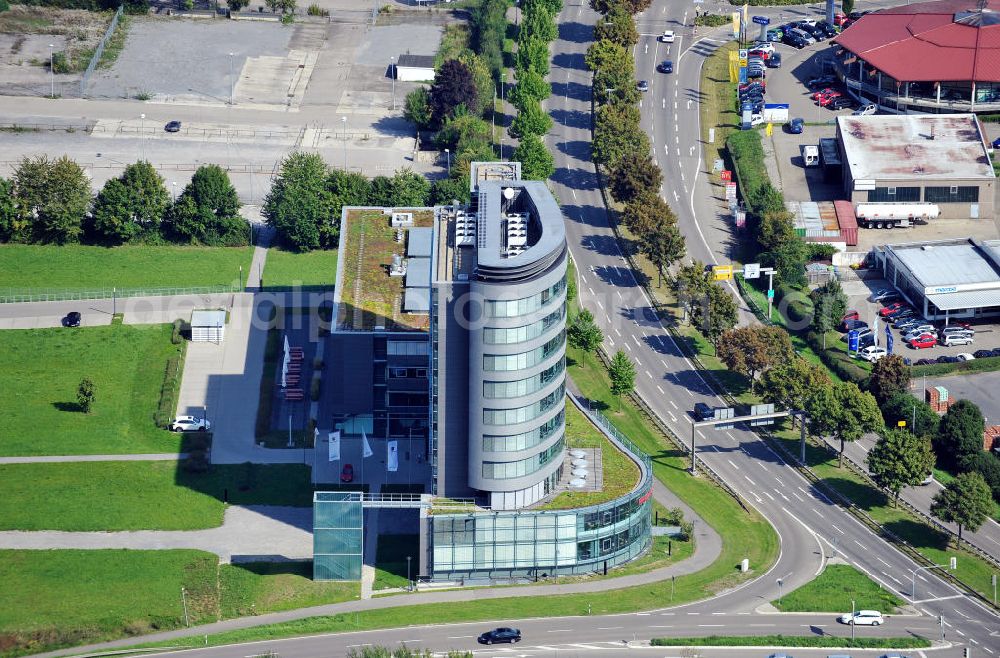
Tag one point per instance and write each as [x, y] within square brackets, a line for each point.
[946, 279]
[415, 68]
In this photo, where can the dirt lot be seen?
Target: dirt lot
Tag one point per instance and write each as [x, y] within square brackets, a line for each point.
[25, 36]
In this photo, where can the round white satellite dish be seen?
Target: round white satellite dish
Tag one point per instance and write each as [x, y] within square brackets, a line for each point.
[508, 193]
[579, 462]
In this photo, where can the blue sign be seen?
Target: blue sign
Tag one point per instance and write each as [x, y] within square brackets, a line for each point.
[743, 75]
[776, 106]
[888, 339]
[770, 293]
[761, 20]
[852, 340]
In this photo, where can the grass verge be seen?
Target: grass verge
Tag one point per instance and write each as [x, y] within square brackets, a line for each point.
[390, 560]
[313, 270]
[835, 589]
[44, 609]
[822, 641]
[116, 496]
[42, 369]
[53, 269]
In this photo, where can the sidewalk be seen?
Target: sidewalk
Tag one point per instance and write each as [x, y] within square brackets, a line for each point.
[49, 459]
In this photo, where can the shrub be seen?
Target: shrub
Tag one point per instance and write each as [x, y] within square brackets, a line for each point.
[175, 334]
[838, 362]
[168, 391]
[60, 63]
[712, 20]
[820, 251]
[316, 10]
[4, 5]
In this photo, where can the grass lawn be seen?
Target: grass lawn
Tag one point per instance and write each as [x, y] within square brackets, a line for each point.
[834, 589]
[390, 560]
[620, 473]
[933, 544]
[35, 268]
[42, 369]
[139, 495]
[793, 641]
[115, 593]
[312, 269]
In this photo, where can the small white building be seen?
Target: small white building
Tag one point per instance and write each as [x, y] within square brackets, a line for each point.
[415, 68]
[208, 326]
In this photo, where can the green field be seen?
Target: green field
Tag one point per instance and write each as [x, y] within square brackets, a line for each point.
[287, 269]
[65, 597]
[100, 496]
[26, 268]
[42, 369]
[835, 589]
[822, 641]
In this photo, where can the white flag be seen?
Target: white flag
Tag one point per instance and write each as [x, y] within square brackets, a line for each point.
[366, 450]
[285, 360]
[335, 446]
[392, 462]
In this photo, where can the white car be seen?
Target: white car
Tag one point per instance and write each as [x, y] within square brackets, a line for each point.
[764, 46]
[862, 618]
[190, 424]
[917, 332]
[872, 353]
[965, 356]
[865, 110]
[667, 36]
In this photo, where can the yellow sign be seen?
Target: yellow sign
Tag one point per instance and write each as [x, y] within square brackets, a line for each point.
[744, 62]
[723, 272]
[769, 130]
[901, 423]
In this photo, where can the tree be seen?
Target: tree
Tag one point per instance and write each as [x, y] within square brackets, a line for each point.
[489, 24]
[584, 334]
[530, 87]
[482, 78]
[531, 120]
[236, 5]
[409, 189]
[847, 6]
[605, 54]
[54, 195]
[453, 86]
[776, 229]
[844, 412]
[789, 262]
[617, 27]
[965, 501]
[85, 395]
[792, 383]
[829, 306]
[533, 54]
[618, 135]
[900, 459]
[132, 206]
[662, 242]
[538, 24]
[536, 161]
[716, 313]
[987, 464]
[631, 6]
[417, 108]
[752, 350]
[920, 418]
[890, 376]
[348, 189]
[207, 211]
[960, 435]
[446, 190]
[635, 177]
[622, 373]
[12, 225]
[463, 132]
[300, 205]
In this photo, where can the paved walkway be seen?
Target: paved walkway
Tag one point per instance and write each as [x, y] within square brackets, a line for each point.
[148, 457]
[254, 533]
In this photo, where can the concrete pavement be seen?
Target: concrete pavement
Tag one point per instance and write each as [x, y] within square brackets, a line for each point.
[62, 459]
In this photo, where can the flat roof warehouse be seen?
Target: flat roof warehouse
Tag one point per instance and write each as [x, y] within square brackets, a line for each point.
[943, 146]
[952, 274]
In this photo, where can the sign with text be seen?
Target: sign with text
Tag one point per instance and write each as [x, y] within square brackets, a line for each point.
[751, 271]
[726, 175]
[761, 20]
[852, 340]
[723, 272]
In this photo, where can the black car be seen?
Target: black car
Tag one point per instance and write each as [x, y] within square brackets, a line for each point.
[642, 85]
[924, 362]
[821, 81]
[510, 635]
[866, 341]
[840, 103]
[753, 106]
[982, 354]
[828, 30]
[703, 412]
[72, 319]
[947, 359]
[775, 61]
[173, 127]
[815, 32]
[851, 325]
[666, 66]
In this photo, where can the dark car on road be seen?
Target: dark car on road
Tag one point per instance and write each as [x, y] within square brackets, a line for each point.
[703, 412]
[510, 635]
[795, 126]
[72, 319]
[666, 66]
[774, 62]
[173, 127]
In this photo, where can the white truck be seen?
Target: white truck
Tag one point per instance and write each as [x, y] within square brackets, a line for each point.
[810, 155]
[894, 215]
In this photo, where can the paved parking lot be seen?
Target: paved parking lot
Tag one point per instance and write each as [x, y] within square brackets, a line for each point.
[979, 388]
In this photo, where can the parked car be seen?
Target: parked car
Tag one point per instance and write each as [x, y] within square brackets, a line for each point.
[775, 34]
[804, 35]
[794, 40]
[907, 324]
[923, 342]
[924, 362]
[703, 412]
[996, 143]
[865, 110]
[889, 308]
[956, 339]
[774, 62]
[667, 36]
[173, 127]
[642, 85]
[816, 95]
[862, 618]
[965, 356]
[866, 332]
[872, 353]
[830, 99]
[983, 354]
[919, 332]
[72, 319]
[795, 126]
[883, 295]
[839, 19]
[851, 325]
[828, 30]
[841, 103]
[923, 328]
[947, 359]
[666, 66]
[510, 635]
[347, 473]
[958, 329]
[851, 314]
[190, 424]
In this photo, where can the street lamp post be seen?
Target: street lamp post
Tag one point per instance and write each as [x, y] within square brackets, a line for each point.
[409, 582]
[232, 81]
[779, 591]
[142, 136]
[344, 121]
[52, 72]
[392, 73]
[174, 186]
[852, 621]
[447, 152]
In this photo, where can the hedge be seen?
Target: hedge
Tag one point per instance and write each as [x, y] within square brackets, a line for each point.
[746, 152]
[839, 362]
[978, 365]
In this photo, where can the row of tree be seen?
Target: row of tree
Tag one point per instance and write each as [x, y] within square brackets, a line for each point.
[305, 201]
[50, 201]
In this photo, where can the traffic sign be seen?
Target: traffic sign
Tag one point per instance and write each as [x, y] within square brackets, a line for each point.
[730, 191]
[723, 272]
[726, 175]
[770, 293]
[901, 423]
[761, 20]
[751, 271]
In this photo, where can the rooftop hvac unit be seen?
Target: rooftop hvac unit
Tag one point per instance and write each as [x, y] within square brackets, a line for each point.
[398, 267]
[400, 219]
[517, 230]
[465, 230]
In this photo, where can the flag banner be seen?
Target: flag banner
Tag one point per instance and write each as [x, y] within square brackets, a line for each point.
[334, 446]
[392, 461]
[366, 450]
[286, 359]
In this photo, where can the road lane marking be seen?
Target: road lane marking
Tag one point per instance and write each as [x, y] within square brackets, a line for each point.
[818, 512]
[650, 375]
[750, 481]
[609, 628]
[732, 464]
[672, 404]
[800, 499]
[863, 547]
[767, 494]
[837, 529]
[659, 389]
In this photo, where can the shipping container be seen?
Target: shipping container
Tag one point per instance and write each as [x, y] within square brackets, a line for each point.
[829, 152]
[848, 223]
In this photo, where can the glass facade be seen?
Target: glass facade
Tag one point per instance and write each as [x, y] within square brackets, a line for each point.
[497, 336]
[521, 467]
[522, 360]
[337, 535]
[523, 387]
[525, 440]
[524, 414]
[514, 307]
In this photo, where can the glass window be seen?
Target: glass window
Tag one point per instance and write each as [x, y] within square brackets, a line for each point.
[514, 307]
[494, 443]
[953, 194]
[499, 336]
[523, 360]
[522, 467]
[523, 387]
[408, 348]
[524, 414]
[894, 194]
